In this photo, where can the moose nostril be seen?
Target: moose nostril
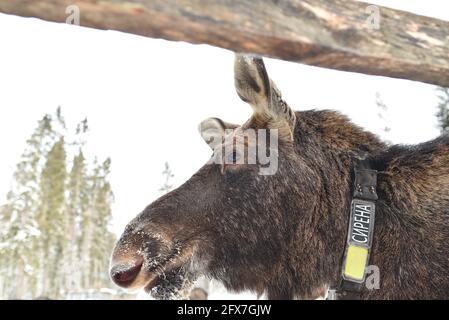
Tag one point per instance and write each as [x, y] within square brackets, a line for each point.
[124, 274]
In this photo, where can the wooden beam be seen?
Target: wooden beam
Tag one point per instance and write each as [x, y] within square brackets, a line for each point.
[327, 33]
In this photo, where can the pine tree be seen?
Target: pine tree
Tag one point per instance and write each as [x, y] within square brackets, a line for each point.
[443, 109]
[102, 200]
[87, 234]
[18, 219]
[54, 236]
[51, 217]
[76, 205]
[96, 239]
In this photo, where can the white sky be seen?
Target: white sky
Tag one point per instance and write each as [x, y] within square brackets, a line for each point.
[144, 98]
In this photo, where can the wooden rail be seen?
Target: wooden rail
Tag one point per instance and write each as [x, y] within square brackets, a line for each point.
[337, 34]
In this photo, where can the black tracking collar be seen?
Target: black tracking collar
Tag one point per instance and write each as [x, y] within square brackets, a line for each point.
[360, 233]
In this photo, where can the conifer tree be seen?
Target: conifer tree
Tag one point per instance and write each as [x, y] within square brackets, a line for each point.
[19, 260]
[51, 216]
[76, 205]
[102, 200]
[54, 236]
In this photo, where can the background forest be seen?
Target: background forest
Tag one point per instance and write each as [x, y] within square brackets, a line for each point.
[54, 237]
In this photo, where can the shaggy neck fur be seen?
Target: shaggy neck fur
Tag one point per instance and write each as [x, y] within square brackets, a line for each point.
[411, 229]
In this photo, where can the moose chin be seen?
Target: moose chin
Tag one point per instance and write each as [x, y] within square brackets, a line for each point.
[285, 233]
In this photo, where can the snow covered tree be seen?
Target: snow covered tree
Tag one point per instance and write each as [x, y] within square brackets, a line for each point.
[102, 198]
[54, 236]
[19, 261]
[95, 238]
[51, 217]
[77, 203]
[443, 109]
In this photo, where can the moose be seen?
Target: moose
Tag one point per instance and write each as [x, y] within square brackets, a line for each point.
[284, 234]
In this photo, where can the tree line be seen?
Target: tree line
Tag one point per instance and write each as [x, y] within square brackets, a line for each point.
[54, 236]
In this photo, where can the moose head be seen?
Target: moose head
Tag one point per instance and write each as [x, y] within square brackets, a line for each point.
[246, 221]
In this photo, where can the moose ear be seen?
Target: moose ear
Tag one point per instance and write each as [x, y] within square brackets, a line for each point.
[252, 82]
[255, 87]
[213, 130]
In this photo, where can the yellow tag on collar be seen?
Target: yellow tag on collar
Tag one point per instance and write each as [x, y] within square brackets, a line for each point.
[356, 260]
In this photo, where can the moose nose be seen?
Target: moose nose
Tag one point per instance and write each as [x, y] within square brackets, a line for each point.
[124, 274]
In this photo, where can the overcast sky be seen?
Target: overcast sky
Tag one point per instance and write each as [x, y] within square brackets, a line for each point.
[144, 98]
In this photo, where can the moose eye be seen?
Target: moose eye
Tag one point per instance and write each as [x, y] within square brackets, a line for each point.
[233, 158]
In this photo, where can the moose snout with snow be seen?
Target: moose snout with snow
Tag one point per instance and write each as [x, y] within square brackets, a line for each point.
[285, 233]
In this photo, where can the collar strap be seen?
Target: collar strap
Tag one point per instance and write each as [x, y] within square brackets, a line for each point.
[360, 232]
